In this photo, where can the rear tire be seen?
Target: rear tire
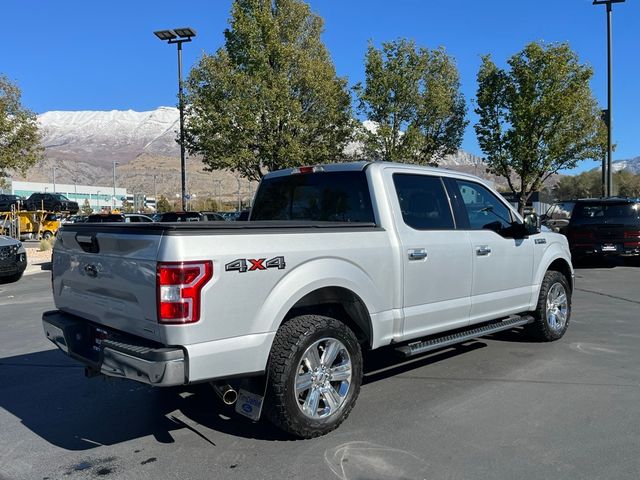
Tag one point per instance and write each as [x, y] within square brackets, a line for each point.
[315, 373]
[553, 311]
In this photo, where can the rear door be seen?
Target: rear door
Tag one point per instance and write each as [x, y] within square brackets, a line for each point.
[436, 257]
[502, 266]
[108, 275]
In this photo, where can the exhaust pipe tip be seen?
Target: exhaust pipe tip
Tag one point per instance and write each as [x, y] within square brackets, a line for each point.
[226, 392]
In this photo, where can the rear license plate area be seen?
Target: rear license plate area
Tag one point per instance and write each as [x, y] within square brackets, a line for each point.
[97, 335]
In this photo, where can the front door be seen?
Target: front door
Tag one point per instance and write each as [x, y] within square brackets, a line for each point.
[502, 265]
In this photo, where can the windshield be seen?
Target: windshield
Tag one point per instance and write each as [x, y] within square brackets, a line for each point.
[59, 196]
[325, 197]
[606, 212]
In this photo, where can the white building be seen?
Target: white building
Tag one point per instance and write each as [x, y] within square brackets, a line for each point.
[98, 196]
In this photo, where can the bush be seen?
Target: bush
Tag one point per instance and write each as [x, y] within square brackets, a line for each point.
[47, 244]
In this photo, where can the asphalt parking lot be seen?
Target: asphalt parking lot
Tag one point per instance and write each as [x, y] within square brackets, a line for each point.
[496, 408]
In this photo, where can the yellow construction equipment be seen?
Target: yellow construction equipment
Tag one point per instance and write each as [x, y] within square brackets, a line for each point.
[29, 224]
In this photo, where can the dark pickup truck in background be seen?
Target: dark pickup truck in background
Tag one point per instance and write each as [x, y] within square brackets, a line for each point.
[598, 227]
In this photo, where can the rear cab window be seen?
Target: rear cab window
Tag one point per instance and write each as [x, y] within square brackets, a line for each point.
[606, 212]
[319, 196]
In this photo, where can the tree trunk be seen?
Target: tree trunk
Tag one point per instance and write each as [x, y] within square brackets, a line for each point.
[522, 201]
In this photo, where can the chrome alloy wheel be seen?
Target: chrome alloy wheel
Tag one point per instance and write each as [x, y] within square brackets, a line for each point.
[557, 307]
[323, 378]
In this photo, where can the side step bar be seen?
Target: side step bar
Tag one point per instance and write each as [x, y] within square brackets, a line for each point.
[417, 348]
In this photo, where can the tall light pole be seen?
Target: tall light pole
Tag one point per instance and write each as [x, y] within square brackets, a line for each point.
[179, 36]
[98, 201]
[54, 179]
[609, 115]
[113, 199]
[155, 193]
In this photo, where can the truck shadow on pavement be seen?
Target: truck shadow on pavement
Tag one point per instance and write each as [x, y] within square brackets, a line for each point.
[50, 395]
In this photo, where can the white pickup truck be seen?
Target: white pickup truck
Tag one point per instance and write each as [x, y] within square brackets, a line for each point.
[335, 259]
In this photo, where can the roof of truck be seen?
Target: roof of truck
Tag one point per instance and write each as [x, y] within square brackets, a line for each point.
[362, 165]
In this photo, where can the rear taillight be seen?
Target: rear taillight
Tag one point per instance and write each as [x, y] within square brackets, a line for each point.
[632, 234]
[179, 285]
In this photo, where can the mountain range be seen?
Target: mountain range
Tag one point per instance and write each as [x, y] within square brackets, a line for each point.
[82, 146]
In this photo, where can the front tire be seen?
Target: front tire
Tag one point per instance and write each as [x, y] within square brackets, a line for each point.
[315, 373]
[553, 311]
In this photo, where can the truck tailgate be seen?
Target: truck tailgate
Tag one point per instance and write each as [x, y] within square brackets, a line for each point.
[108, 276]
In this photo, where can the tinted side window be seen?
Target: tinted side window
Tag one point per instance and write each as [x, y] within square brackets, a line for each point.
[423, 202]
[484, 209]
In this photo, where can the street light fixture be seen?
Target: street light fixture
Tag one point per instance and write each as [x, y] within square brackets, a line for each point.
[609, 115]
[179, 36]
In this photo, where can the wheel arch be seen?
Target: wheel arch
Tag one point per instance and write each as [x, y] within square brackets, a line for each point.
[339, 303]
[327, 286]
[561, 265]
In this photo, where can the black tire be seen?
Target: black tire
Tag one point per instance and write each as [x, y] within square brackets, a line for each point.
[47, 235]
[293, 341]
[543, 328]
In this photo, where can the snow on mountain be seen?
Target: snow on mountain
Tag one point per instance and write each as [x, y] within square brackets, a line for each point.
[631, 164]
[96, 137]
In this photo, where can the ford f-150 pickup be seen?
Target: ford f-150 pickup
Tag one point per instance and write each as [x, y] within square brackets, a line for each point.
[334, 260]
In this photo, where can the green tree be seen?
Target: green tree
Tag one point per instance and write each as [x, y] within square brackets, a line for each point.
[589, 184]
[537, 117]
[163, 205]
[626, 184]
[413, 96]
[20, 146]
[86, 207]
[269, 98]
[584, 185]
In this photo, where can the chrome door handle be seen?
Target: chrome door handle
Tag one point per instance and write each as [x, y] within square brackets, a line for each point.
[483, 250]
[417, 254]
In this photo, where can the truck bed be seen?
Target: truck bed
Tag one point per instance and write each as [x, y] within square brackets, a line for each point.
[191, 228]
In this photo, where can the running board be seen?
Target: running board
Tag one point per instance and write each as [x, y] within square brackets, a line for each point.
[417, 348]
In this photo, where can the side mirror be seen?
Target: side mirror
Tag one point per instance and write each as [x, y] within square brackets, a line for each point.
[532, 223]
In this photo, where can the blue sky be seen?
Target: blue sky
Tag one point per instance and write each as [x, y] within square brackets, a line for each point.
[102, 55]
